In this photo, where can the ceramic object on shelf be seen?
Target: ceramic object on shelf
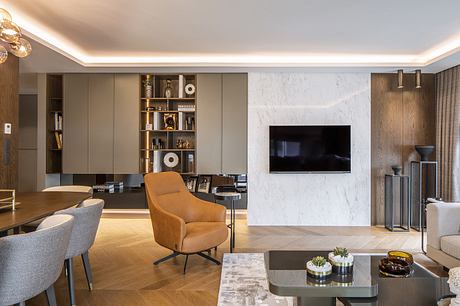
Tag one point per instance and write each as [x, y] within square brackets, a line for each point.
[424, 151]
[168, 89]
[397, 169]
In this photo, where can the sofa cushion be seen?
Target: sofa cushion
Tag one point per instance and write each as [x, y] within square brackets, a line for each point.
[451, 245]
[201, 236]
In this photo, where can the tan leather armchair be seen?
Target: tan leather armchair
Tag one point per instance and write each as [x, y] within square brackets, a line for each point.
[182, 222]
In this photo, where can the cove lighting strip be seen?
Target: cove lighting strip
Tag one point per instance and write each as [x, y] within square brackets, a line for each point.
[67, 48]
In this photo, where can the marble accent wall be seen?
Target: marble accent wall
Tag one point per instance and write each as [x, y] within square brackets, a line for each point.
[308, 99]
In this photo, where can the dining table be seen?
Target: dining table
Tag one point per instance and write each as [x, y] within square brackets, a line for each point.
[32, 206]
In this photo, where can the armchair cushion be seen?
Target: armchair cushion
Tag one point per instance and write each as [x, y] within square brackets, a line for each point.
[443, 219]
[451, 245]
[203, 236]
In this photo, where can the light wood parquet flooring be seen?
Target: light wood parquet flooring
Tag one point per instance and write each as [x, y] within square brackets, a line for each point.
[124, 250]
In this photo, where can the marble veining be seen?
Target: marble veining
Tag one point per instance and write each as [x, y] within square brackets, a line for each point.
[308, 99]
[244, 282]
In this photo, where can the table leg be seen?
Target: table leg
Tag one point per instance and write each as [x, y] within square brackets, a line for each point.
[234, 224]
[316, 301]
[231, 231]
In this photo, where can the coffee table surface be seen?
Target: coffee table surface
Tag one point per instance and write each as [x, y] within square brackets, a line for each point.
[287, 276]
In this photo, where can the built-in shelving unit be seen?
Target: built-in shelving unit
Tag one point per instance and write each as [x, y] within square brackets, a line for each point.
[54, 121]
[167, 123]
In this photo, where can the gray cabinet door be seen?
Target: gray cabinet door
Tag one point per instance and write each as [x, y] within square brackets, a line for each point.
[126, 124]
[75, 124]
[209, 123]
[234, 123]
[101, 109]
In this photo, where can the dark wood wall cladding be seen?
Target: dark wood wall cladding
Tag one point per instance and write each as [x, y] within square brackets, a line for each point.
[9, 107]
[400, 119]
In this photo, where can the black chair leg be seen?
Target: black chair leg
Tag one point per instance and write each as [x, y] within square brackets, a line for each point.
[51, 296]
[209, 258]
[186, 260]
[88, 272]
[69, 268]
[174, 254]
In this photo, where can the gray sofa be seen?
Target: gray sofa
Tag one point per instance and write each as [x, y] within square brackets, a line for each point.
[443, 233]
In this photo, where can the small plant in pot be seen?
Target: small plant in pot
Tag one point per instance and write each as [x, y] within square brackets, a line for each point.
[319, 268]
[341, 260]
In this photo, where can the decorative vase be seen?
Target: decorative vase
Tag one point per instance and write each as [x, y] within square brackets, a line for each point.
[148, 91]
[424, 151]
[396, 169]
[168, 89]
[454, 285]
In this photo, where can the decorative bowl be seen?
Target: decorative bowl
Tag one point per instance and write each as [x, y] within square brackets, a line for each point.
[401, 255]
[424, 151]
[394, 267]
[396, 169]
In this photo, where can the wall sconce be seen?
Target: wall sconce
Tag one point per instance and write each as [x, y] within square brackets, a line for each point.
[400, 78]
[418, 78]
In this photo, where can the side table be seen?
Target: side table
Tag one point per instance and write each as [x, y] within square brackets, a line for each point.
[229, 196]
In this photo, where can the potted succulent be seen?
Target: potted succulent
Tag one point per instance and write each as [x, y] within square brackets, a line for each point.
[319, 268]
[148, 87]
[341, 260]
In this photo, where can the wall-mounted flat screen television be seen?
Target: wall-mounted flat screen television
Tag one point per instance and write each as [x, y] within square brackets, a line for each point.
[310, 149]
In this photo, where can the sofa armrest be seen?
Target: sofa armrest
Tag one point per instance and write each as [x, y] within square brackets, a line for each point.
[442, 219]
[205, 211]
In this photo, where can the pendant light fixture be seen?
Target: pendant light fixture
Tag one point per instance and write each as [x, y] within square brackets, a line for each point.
[418, 78]
[400, 78]
[11, 35]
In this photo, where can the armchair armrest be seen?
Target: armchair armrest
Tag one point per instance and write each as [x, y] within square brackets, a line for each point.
[442, 219]
[205, 211]
[169, 230]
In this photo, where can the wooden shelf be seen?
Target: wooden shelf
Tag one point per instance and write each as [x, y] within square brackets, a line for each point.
[170, 99]
[168, 131]
[55, 149]
[52, 131]
[56, 111]
[165, 111]
[173, 150]
[55, 98]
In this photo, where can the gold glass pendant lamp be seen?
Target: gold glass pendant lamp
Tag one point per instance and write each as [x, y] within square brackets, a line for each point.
[11, 36]
[3, 54]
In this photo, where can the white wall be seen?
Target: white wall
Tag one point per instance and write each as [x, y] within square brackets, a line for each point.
[304, 99]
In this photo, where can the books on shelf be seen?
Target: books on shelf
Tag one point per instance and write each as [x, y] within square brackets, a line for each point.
[58, 137]
[181, 121]
[185, 108]
[181, 86]
[57, 121]
[156, 121]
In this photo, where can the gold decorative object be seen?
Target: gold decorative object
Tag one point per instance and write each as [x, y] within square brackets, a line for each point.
[170, 121]
[22, 48]
[11, 34]
[8, 199]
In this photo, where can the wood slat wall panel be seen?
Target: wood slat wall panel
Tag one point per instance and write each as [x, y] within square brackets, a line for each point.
[401, 119]
[9, 111]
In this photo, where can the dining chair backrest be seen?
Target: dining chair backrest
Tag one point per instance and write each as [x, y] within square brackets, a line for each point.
[70, 188]
[87, 216]
[30, 263]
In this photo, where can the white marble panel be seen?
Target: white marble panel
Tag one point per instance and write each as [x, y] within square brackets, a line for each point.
[308, 99]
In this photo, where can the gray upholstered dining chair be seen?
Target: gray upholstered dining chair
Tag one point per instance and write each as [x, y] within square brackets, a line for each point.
[31, 263]
[86, 221]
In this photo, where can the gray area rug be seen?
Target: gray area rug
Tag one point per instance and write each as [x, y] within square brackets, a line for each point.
[244, 282]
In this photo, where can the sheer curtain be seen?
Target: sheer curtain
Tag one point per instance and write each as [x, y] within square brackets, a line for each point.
[448, 132]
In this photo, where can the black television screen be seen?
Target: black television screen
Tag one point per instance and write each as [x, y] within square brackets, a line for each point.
[315, 148]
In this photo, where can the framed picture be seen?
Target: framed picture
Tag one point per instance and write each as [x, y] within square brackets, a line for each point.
[204, 183]
[191, 183]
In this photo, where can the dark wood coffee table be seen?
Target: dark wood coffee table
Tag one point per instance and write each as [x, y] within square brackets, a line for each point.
[287, 276]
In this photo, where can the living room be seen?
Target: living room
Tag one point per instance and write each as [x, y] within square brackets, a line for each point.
[229, 153]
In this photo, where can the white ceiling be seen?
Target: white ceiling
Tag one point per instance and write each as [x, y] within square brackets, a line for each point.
[242, 33]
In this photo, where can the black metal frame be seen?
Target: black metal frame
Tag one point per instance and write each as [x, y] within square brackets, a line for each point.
[175, 254]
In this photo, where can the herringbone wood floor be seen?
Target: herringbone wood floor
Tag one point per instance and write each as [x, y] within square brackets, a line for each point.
[124, 250]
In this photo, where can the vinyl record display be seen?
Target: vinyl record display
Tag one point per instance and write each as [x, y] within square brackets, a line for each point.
[171, 160]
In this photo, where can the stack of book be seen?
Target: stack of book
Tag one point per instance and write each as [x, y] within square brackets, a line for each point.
[57, 122]
[186, 108]
[58, 137]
